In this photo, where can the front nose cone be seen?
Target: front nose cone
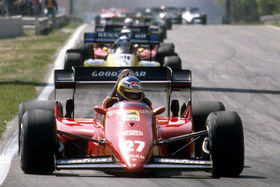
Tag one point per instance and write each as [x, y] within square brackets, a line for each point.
[135, 153]
[135, 168]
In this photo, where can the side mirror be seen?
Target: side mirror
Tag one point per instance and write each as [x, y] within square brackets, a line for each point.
[100, 110]
[159, 110]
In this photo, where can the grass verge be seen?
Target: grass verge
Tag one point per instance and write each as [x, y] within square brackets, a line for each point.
[23, 65]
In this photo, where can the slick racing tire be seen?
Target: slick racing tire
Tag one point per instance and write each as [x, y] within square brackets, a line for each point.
[226, 143]
[204, 19]
[33, 105]
[86, 50]
[161, 35]
[72, 59]
[165, 49]
[38, 142]
[200, 112]
[168, 23]
[174, 62]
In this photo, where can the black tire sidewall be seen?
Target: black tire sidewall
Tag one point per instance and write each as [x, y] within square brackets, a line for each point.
[226, 143]
[38, 142]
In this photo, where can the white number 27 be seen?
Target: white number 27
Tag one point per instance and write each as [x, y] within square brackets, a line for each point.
[132, 145]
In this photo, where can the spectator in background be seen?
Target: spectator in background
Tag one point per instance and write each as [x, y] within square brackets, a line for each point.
[36, 7]
[2, 8]
[29, 7]
[11, 6]
[22, 7]
[51, 6]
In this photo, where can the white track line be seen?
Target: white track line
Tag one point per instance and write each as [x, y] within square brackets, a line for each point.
[12, 145]
[274, 27]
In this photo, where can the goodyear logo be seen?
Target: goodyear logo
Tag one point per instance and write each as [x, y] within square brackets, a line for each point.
[115, 73]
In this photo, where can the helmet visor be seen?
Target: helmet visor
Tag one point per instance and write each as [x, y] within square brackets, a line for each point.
[133, 95]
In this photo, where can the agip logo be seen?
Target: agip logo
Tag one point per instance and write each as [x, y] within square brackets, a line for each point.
[132, 115]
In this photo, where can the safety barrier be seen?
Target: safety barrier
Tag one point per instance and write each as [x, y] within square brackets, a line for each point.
[270, 19]
[43, 25]
[11, 27]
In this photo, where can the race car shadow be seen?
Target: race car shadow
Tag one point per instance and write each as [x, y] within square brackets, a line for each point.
[236, 90]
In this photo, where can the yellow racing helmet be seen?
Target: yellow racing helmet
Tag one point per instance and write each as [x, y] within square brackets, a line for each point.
[130, 88]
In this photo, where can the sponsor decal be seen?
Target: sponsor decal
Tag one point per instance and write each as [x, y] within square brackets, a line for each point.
[129, 115]
[134, 157]
[132, 133]
[85, 161]
[145, 111]
[132, 115]
[107, 35]
[111, 112]
[181, 161]
[140, 36]
[115, 73]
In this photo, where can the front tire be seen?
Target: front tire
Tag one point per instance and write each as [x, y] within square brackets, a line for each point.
[32, 105]
[38, 142]
[226, 143]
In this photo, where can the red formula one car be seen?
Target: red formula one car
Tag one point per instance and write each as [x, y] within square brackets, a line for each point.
[129, 136]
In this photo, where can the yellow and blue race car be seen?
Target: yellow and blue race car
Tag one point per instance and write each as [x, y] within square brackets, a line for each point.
[122, 49]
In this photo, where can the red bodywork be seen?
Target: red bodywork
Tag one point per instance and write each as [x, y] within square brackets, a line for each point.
[130, 131]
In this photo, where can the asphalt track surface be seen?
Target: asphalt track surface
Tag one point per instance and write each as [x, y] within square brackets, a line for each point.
[238, 65]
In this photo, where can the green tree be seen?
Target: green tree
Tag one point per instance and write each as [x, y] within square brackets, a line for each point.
[242, 10]
[268, 7]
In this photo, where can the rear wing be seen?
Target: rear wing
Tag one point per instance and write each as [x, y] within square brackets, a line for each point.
[111, 37]
[120, 20]
[176, 80]
[153, 79]
[118, 28]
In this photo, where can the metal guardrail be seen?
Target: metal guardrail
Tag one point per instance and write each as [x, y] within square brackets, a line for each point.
[270, 19]
[43, 25]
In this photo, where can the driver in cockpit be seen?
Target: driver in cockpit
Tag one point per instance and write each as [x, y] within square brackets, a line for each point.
[129, 88]
[122, 45]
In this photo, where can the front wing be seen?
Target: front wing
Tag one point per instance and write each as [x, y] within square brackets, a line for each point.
[156, 163]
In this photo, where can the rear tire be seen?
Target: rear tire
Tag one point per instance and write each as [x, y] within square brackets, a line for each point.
[174, 62]
[200, 112]
[38, 142]
[168, 23]
[73, 59]
[165, 49]
[226, 143]
[86, 50]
